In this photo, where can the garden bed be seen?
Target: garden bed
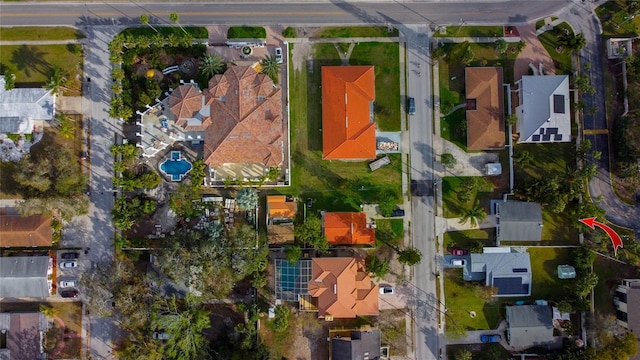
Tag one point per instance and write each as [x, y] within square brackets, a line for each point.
[246, 32]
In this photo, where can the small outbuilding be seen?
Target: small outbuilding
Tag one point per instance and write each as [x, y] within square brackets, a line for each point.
[566, 272]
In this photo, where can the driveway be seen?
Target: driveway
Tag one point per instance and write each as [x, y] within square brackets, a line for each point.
[468, 164]
[533, 53]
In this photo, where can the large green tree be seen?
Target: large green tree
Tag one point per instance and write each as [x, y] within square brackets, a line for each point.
[310, 233]
[473, 215]
[271, 68]
[409, 256]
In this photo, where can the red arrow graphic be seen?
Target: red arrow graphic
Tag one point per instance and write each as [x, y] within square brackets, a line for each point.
[615, 238]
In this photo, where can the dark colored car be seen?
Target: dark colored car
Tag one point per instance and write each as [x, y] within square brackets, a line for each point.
[411, 106]
[309, 203]
[397, 213]
[70, 255]
[69, 293]
[459, 252]
[495, 338]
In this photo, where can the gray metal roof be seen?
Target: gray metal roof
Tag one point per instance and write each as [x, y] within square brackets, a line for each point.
[24, 276]
[529, 325]
[501, 270]
[361, 343]
[519, 220]
[541, 109]
[26, 104]
[13, 124]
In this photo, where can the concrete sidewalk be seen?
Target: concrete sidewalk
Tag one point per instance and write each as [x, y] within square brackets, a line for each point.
[469, 164]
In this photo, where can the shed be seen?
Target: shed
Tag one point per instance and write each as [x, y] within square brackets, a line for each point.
[377, 164]
[566, 272]
[493, 169]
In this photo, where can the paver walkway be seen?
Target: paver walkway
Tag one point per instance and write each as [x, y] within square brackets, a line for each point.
[533, 53]
[469, 164]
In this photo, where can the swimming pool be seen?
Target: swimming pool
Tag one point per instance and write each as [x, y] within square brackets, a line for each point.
[175, 167]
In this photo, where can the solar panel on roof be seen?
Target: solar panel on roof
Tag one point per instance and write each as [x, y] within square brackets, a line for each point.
[552, 131]
[535, 138]
[558, 104]
[546, 137]
[510, 286]
[558, 137]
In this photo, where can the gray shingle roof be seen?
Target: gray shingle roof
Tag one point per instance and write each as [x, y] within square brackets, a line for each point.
[529, 325]
[361, 343]
[24, 276]
[501, 270]
[21, 105]
[519, 220]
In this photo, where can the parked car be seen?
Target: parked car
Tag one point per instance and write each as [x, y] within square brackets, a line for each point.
[69, 264]
[70, 255]
[279, 58]
[309, 203]
[69, 293]
[387, 290]
[160, 335]
[68, 283]
[459, 252]
[495, 338]
[397, 213]
[84, 155]
[411, 106]
[458, 262]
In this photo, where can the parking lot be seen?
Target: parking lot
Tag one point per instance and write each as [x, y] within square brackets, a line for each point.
[69, 269]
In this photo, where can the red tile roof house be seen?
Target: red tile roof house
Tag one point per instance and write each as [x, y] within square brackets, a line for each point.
[347, 228]
[485, 108]
[281, 212]
[25, 231]
[348, 128]
[238, 118]
[342, 288]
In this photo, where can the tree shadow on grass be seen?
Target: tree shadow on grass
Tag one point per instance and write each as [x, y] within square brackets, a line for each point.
[28, 58]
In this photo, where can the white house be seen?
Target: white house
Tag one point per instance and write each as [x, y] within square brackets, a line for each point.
[543, 111]
[22, 109]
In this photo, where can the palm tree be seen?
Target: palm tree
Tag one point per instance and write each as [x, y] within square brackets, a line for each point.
[174, 17]
[572, 41]
[474, 215]
[271, 68]
[66, 125]
[144, 20]
[212, 64]
[523, 158]
[49, 312]
[57, 79]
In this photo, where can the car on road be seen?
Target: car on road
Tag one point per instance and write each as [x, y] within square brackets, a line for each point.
[458, 262]
[70, 255]
[69, 293]
[411, 106]
[160, 335]
[69, 264]
[459, 252]
[279, 58]
[494, 338]
[68, 283]
[387, 290]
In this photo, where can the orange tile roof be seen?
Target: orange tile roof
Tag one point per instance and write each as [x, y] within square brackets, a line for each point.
[246, 119]
[185, 102]
[279, 207]
[348, 130]
[347, 228]
[343, 288]
[485, 124]
[25, 231]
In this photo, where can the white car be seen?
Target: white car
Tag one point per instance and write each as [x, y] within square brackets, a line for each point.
[69, 264]
[387, 290]
[279, 57]
[458, 262]
[68, 283]
[160, 335]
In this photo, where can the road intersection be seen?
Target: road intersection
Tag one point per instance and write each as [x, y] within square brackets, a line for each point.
[415, 20]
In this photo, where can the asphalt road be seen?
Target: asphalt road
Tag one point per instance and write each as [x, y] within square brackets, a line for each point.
[336, 12]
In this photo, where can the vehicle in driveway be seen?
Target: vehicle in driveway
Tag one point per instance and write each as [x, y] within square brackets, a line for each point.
[69, 293]
[458, 262]
[279, 58]
[69, 264]
[397, 213]
[494, 338]
[459, 252]
[70, 255]
[411, 106]
[160, 335]
[68, 283]
[386, 289]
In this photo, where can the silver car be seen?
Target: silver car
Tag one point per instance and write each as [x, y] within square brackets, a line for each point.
[70, 264]
[68, 283]
[279, 57]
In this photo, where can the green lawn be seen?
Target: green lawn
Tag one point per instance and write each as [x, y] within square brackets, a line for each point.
[461, 298]
[355, 31]
[197, 32]
[480, 351]
[467, 238]
[246, 32]
[452, 206]
[396, 225]
[563, 59]
[452, 127]
[33, 63]
[615, 21]
[471, 31]
[39, 33]
[544, 263]
[610, 273]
